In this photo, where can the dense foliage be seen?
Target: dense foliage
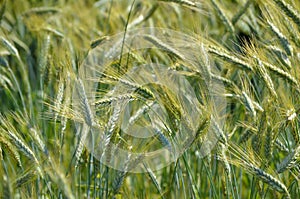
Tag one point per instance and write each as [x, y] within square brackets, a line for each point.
[252, 47]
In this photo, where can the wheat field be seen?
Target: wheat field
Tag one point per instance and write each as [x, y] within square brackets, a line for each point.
[150, 99]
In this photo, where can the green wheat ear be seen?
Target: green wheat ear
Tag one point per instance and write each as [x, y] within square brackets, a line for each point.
[289, 11]
[84, 104]
[225, 20]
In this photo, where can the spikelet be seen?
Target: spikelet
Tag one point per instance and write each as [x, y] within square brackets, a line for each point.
[137, 58]
[59, 98]
[10, 47]
[289, 161]
[161, 45]
[257, 106]
[264, 74]
[225, 161]
[139, 113]
[206, 68]
[163, 139]
[154, 180]
[245, 160]
[218, 131]
[281, 55]
[227, 23]
[281, 146]
[224, 54]
[256, 143]
[26, 150]
[41, 11]
[245, 136]
[66, 104]
[291, 115]
[23, 180]
[22, 146]
[99, 41]
[119, 179]
[84, 104]
[36, 136]
[267, 178]
[34, 133]
[290, 119]
[281, 73]
[5, 82]
[224, 80]
[138, 88]
[131, 163]
[8, 129]
[80, 145]
[283, 40]
[6, 145]
[183, 2]
[44, 51]
[53, 32]
[249, 104]
[142, 18]
[110, 133]
[203, 126]
[289, 11]
[269, 143]
[110, 100]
